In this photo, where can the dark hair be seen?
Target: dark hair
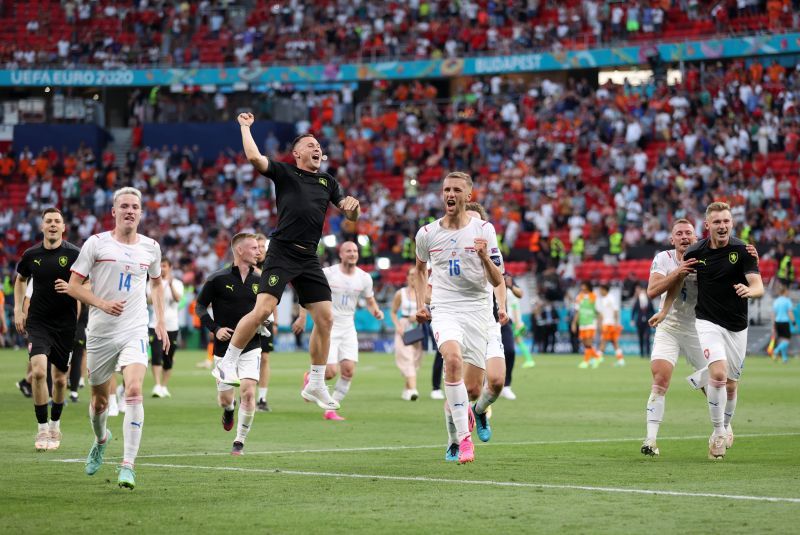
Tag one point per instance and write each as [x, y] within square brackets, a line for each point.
[300, 137]
[52, 210]
[166, 261]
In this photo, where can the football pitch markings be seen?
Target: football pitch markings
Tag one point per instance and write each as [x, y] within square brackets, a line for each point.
[490, 483]
[428, 446]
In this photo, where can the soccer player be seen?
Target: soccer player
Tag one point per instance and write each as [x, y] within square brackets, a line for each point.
[303, 193]
[348, 284]
[268, 332]
[118, 263]
[484, 384]
[49, 323]
[673, 278]
[231, 292]
[76, 365]
[459, 248]
[782, 319]
[608, 306]
[163, 361]
[727, 276]
[585, 324]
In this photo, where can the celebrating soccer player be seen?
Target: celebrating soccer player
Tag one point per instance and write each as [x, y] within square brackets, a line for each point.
[119, 263]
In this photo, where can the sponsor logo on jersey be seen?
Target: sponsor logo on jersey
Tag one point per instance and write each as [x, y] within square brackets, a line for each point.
[733, 257]
[272, 280]
[700, 261]
[62, 261]
[323, 181]
[255, 288]
[229, 286]
[38, 261]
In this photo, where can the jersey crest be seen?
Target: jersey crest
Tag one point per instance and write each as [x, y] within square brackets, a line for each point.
[733, 257]
[62, 261]
[255, 288]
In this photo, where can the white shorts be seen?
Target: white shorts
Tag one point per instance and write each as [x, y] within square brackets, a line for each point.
[248, 367]
[344, 345]
[718, 343]
[668, 345]
[469, 328]
[106, 355]
[495, 349]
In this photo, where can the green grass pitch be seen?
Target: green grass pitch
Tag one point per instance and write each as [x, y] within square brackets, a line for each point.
[564, 459]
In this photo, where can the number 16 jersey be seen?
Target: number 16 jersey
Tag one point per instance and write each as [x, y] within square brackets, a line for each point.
[118, 272]
[458, 279]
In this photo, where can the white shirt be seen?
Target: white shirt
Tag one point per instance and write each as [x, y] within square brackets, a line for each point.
[118, 272]
[170, 305]
[459, 280]
[681, 314]
[608, 306]
[345, 292]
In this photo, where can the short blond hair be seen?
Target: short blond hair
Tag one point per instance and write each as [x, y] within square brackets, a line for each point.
[477, 207]
[462, 175]
[240, 237]
[259, 236]
[717, 206]
[127, 191]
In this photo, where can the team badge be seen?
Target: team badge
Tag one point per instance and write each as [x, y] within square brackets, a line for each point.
[62, 261]
[733, 257]
[255, 288]
[272, 280]
[323, 181]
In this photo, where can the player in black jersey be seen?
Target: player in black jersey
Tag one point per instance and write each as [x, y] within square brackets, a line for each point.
[231, 293]
[727, 275]
[302, 194]
[50, 321]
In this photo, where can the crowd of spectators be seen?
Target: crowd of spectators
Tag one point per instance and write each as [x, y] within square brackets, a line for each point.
[549, 160]
[115, 34]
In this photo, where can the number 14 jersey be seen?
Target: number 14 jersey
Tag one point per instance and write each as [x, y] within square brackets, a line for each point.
[118, 272]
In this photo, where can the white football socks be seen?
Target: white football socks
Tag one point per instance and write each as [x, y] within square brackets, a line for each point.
[341, 388]
[98, 423]
[458, 400]
[132, 429]
[245, 422]
[262, 394]
[655, 410]
[717, 397]
[452, 437]
[730, 408]
[316, 378]
[486, 398]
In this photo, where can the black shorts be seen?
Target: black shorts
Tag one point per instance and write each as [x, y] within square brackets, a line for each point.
[507, 334]
[157, 355]
[266, 344]
[55, 343]
[286, 263]
[783, 329]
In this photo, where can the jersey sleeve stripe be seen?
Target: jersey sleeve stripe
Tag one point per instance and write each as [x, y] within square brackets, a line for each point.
[78, 273]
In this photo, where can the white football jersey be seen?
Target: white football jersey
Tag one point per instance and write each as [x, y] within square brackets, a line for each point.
[458, 280]
[170, 305]
[345, 292]
[608, 306]
[681, 315]
[118, 272]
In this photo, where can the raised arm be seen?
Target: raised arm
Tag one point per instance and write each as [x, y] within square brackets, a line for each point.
[254, 156]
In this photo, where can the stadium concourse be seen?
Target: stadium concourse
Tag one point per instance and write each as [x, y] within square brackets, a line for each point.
[130, 33]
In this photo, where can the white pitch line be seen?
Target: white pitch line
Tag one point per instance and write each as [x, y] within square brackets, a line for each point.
[490, 483]
[427, 446]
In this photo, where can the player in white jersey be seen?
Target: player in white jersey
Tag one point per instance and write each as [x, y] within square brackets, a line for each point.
[458, 247]
[484, 387]
[348, 283]
[610, 325]
[675, 325]
[162, 361]
[118, 263]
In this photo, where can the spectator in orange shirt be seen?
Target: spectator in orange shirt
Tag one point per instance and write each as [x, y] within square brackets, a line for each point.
[776, 72]
[7, 166]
